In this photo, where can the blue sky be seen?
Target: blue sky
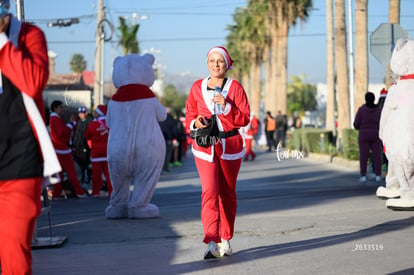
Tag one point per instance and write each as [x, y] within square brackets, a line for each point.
[182, 31]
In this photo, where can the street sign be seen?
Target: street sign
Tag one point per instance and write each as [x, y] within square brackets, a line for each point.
[383, 40]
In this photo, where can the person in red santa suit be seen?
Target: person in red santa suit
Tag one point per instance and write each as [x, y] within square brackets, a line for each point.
[26, 152]
[249, 132]
[60, 135]
[219, 163]
[97, 136]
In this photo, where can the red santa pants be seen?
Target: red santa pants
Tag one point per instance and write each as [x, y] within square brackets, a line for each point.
[218, 198]
[249, 151]
[66, 161]
[19, 207]
[97, 169]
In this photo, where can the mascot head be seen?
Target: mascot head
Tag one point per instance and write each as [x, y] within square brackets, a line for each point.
[402, 59]
[133, 69]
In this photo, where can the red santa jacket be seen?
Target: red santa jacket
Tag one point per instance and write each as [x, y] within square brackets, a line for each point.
[253, 126]
[235, 115]
[24, 61]
[97, 136]
[60, 134]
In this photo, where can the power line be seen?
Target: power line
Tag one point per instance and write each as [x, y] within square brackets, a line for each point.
[180, 39]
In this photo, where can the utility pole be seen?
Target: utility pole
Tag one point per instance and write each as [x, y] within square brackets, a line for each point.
[351, 64]
[99, 81]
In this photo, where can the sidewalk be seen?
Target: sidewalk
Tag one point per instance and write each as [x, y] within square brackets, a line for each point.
[295, 216]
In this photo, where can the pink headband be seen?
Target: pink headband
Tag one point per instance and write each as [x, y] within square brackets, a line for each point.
[224, 53]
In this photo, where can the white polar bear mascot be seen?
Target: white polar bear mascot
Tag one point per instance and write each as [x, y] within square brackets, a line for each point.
[136, 146]
[397, 128]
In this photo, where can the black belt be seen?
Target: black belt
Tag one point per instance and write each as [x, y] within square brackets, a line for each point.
[228, 134]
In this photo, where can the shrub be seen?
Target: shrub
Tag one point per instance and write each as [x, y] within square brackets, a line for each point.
[312, 140]
[350, 144]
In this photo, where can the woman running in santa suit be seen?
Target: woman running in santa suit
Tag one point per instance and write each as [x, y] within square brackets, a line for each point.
[218, 165]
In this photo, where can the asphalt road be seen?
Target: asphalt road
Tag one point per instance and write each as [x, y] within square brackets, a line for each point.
[296, 215]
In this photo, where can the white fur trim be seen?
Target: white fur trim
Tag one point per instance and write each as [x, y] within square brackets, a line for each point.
[207, 99]
[3, 40]
[63, 152]
[227, 109]
[51, 164]
[99, 112]
[203, 155]
[101, 159]
[192, 127]
[234, 156]
[222, 52]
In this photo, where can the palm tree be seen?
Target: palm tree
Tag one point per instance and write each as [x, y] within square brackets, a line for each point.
[330, 71]
[361, 52]
[287, 13]
[341, 70]
[276, 16]
[271, 95]
[78, 63]
[241, 66]
[257, 31]
[128, 40]
[249, 31]
[269, 79]
[236, 42]
[301, 96]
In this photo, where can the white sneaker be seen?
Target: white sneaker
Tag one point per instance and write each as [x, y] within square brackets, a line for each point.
[378, 178]
[363, 179]
[225, 248]
[212, 251]
[387, 193]
[83, 196]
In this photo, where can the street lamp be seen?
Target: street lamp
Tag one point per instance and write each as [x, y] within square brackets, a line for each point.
[135, 16]
[63, 22]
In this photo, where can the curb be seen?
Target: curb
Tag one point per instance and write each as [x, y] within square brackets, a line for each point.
[354, 164]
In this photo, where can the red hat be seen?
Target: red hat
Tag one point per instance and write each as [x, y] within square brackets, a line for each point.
[383, 92]
[225, 53]
[101, 110]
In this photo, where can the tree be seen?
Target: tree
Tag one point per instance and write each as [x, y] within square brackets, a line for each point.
[247, 39]
[174, 99]
[301, 96]
[260, 36]
[77, 63]
[128, 40]
[361, 52]
[235, 46]
[341, 70]
[287, 13]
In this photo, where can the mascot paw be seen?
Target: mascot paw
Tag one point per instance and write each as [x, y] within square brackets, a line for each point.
[144, 212]
[116, 212]
[400, 204]
[387, 193]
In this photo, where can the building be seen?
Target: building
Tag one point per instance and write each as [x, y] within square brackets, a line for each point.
[74, 90]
